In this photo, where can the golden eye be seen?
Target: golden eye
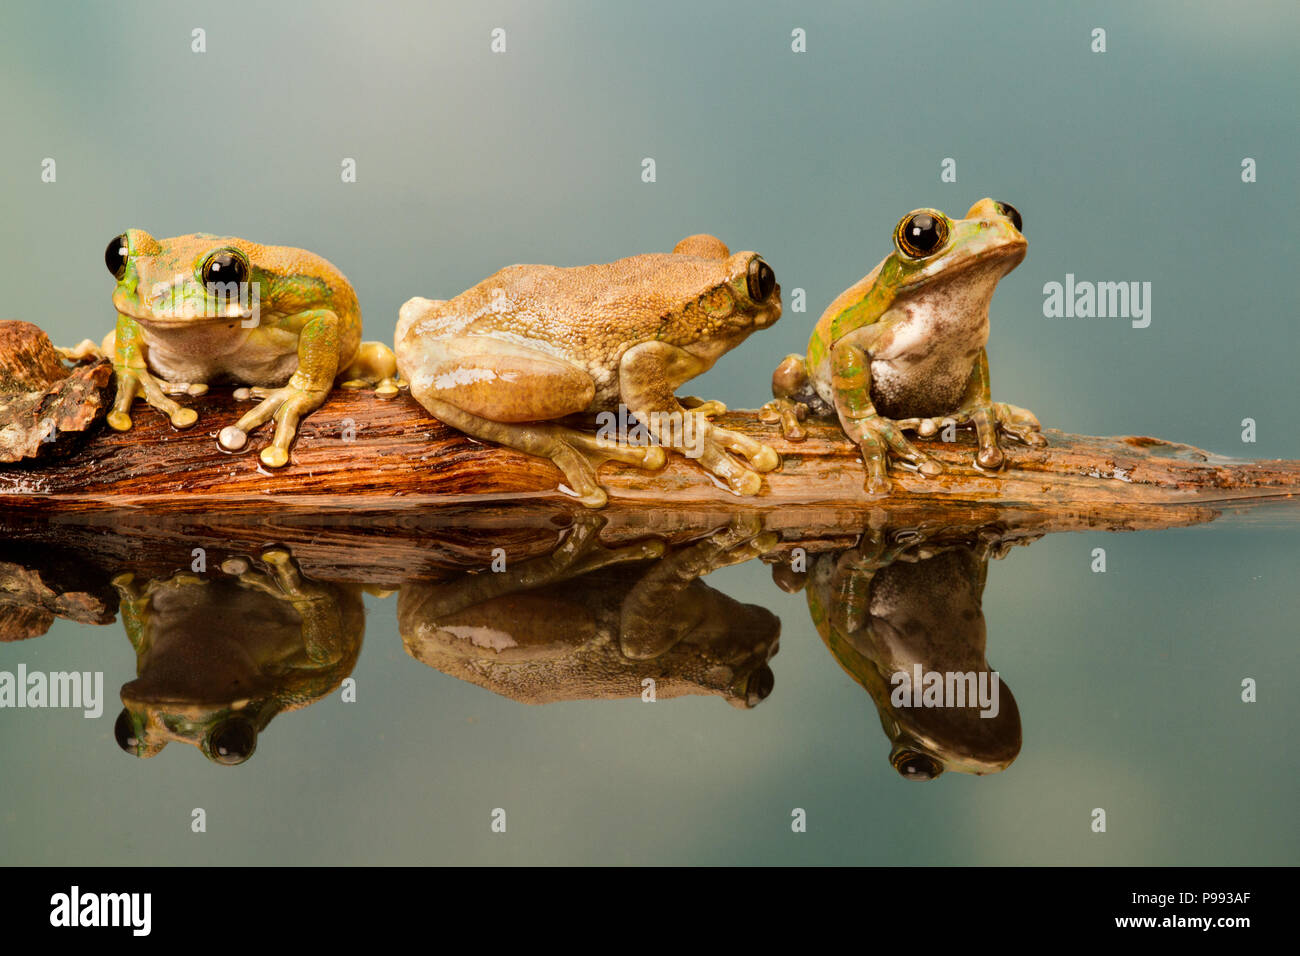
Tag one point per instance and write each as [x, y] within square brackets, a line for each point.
[920, 234]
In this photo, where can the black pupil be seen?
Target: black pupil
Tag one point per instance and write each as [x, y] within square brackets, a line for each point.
[922, 233]
[124, 732]
[1012, 213]
[115, 256]
[225, 267]
[233, 741]
[762, 280]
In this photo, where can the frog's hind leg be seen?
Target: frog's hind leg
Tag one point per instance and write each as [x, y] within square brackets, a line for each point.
[512, 394]
[373, 366]
[576, 454]
[794, 399]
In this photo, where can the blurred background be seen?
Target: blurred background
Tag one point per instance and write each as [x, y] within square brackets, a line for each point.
[1127, 166]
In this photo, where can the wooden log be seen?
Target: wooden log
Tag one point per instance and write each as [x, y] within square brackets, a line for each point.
[46, 409]
[359, 454]
[377, 492]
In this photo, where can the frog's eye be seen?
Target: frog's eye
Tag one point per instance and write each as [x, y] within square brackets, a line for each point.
[921, 234]
[224, 266]
[1012, 213]
[124, 733]
[761, 280]
[115, 256]
[916, 766]
[232, 741]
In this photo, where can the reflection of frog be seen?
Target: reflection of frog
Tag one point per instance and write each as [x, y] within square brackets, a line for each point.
[219, 657]
[197, 309]
[904, 347]
[886, 607]
[532, 344]
[590, 622]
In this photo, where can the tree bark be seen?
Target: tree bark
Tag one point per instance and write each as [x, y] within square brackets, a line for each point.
[378, 491]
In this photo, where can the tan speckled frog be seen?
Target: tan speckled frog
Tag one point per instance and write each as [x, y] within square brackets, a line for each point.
[533, 343]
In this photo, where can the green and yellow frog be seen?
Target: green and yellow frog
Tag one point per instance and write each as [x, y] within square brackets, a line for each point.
[903, 348]
[200, 308]
[532, 344]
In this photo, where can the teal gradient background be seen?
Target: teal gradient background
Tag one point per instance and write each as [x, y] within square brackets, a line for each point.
[1126, 166]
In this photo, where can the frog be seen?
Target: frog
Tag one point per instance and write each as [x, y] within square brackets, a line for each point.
[584, 621]
[530, 345]
[904, 348]
[219, 655]
[282, 323]
[908, 596]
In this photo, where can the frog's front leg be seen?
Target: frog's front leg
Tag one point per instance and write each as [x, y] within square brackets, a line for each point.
[130, 367]
[649, 375]
[317, 604]
[977, 408]
[875, 435]
[306, 391]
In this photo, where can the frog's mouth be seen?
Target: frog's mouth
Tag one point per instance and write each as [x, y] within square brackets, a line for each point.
[165, 310]
[1002, 258]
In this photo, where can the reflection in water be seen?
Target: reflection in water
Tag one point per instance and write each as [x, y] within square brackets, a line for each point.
[219, 656]
[903, 616]
[588, 621]
[605, 608]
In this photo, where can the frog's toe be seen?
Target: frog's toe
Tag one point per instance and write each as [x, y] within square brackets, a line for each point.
[927, 427]
[746, 483]
[386, 389]
[789, 414]
[765, 459]
[990, 458]
[655, 457]
[876, 484]
[231, 438]
[699, 406]
[119, 421]
[930, 468]
[184, 417]
[274, 456]
[594, 498]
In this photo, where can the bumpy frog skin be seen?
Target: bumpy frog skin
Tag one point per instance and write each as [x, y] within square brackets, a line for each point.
[903, 348]
[532, 344]
[176, 332]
